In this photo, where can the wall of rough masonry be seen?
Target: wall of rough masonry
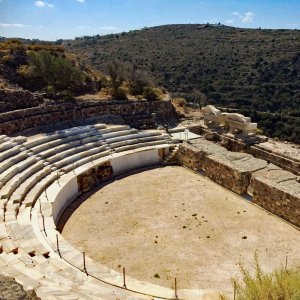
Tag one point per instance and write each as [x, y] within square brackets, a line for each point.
[273, 188]
[75, 114]
[288, 163]
[254, 146]
[230, 169]
[226, 141]
[15, 99]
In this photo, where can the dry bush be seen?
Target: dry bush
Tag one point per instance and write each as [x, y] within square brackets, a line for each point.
[279, 285]
[180, 102]
[7, 59]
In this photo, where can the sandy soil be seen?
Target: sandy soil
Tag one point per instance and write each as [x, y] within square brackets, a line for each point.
[174, 223]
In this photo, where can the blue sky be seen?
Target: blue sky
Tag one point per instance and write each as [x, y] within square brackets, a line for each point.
[55, 19]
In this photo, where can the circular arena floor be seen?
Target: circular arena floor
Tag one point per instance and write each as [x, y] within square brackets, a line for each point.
[172, 222]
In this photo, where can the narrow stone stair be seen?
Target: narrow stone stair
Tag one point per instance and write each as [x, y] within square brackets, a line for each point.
[170, 158]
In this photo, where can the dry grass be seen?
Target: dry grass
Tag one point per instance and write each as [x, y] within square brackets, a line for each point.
[279, 285]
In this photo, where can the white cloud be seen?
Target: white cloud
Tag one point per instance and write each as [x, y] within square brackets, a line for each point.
[248, 17]
[19, 25]
[13, 25]
[241, 17]
[81, 1]
[41, 3]
[235, 13]
[83, 27]
[107, 27]
[230, 21]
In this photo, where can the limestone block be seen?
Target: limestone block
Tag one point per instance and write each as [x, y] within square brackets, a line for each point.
[9, 153]
[9, 246]
[5, 146]
[99, 126]
[19, 139]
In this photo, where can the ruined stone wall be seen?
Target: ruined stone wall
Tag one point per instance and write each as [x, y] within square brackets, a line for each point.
[273, 188]
[286, 163]
[226, 175]
[253, 146]
[16, 99]
[228, 142]
[78, 113]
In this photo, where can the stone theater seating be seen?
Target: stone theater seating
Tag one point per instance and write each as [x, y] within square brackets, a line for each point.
[39, 177]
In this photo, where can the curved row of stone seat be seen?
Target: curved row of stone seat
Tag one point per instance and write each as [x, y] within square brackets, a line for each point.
[25, 194]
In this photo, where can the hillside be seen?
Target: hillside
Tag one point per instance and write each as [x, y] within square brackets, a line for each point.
[249, 69]
[45, 68]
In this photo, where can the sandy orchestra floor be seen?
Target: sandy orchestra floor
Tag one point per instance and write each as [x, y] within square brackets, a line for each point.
[174, 223]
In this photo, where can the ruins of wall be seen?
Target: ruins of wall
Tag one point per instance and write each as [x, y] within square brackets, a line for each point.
[254, 146]
[76, 114]
[274, 189]
[288, 163]
[16, 99]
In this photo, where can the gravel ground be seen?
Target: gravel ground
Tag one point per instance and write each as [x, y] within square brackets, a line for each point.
[174, 223]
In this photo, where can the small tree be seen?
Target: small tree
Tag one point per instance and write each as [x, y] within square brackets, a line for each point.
[137, 80]
[117, 73]
[200, 98]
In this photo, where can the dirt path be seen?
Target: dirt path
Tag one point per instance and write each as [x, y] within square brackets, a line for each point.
[174, 223]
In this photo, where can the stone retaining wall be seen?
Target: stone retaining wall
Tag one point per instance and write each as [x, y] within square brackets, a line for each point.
[273, 188]
[16, 99]
[78, 114]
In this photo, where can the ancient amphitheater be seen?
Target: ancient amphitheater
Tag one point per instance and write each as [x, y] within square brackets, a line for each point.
[42, 173]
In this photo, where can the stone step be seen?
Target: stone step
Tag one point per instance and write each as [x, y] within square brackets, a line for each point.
[6, 145]
[71, 167]
[18, 179]
[15, 169]
[20, 193]
[9, 162]
[38, 189]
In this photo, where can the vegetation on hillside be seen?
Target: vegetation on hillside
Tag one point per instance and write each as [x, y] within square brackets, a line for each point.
[46, 67]
[247, 69]
[129, 79]
[279, 285]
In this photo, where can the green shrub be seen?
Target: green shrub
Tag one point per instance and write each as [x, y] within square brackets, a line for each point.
[151, 94]
[68, 95]
[259, 131]
[50, 89]
[119, 94]
[55, 71]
